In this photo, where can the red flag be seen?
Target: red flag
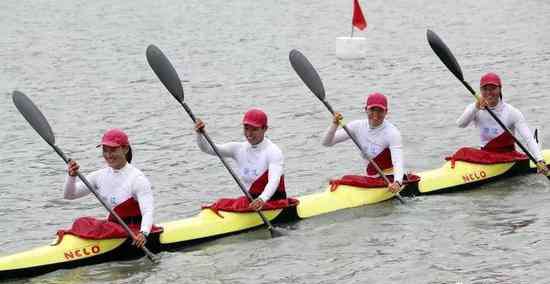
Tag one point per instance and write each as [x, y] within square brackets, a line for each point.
[358, 18]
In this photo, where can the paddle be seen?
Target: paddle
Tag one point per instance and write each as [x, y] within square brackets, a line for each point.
[309, 76]
[169, 77]
[37, 120]
[447, 57]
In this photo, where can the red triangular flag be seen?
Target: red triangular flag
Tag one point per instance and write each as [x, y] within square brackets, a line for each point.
[358, 18]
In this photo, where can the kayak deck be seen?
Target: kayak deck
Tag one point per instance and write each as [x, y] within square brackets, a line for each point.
[343, 197]
[465, 175]
[73, 251]
[207, 225]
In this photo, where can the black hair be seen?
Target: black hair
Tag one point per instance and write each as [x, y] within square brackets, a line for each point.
[129, 155]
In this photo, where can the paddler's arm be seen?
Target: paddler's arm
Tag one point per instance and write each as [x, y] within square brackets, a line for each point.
[275, 168]
[468, 116]
[521, 127]
[72, 189]
[226, 150]
[333, 135]
[144, 195]
[396, 150]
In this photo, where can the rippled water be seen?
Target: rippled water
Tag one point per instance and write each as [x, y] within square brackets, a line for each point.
[83, 63]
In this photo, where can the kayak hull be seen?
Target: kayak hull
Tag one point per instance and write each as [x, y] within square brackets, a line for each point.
[209, 225]
[343, 197]
[70, 252]
[73, 251]
[465, 175]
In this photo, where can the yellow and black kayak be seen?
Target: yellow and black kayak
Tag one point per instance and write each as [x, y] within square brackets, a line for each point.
[465, 175]
[70, 252]
[73, 251]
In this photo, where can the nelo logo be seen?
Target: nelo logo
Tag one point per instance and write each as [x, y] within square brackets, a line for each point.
[86, 251]
[474, 176]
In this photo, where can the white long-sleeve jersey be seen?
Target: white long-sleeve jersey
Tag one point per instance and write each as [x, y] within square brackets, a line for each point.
[511, 117]
[372, 141]
[253, 161]
[115, 187]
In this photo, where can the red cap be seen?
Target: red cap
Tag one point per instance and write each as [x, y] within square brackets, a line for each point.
[114, 138]
[376, 100]
[255, 117]
[490, 79]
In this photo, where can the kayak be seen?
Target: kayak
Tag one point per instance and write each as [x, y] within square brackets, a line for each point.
[72, 251]
[465, 175]
[346, 196]
[209, 225]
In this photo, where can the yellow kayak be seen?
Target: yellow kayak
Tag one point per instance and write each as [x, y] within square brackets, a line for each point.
[345, 196]
[466, 175]
[73, 251]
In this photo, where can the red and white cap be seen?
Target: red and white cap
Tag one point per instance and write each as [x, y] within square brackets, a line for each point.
[490, 79]
[376, 100]
[255, 117]
[114, 138]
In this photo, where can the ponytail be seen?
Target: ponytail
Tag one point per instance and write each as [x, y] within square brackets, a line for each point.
[129, 155]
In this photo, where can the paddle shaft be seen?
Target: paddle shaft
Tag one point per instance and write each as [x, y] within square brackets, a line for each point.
[378, 169]
[226, 165]
[500, 122]
[148, 253]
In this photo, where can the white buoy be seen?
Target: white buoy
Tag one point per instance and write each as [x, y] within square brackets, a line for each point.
[350, 47]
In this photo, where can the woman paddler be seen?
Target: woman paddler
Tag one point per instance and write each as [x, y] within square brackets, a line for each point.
[121, 185]
[492, 135]
[378, 138]
[259, 160]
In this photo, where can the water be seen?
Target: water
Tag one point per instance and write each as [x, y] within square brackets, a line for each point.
[83, 63]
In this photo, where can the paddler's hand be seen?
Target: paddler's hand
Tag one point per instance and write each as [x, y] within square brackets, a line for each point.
[337, 118]
[394, 187]
[542, 168]
[140, 240]
[481, 103]
[257, 204]
[72, 168]
[199, 126]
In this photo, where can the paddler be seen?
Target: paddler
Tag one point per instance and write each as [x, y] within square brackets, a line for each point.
[378, 138]
[492, 135]
[259, 160]
[124, 187]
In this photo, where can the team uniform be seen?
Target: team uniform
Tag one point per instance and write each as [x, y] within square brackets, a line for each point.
[127, 191]
[492, 135]
[260, 166]
[382, 144]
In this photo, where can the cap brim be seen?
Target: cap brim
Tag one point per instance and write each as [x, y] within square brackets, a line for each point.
[377, 105]
[252, 124]
[108, 144]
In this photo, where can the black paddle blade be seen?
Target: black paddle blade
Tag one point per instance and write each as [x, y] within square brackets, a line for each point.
[165, 71]
[443, 52]
[276, 233]
[33, 115]
[307, 73]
